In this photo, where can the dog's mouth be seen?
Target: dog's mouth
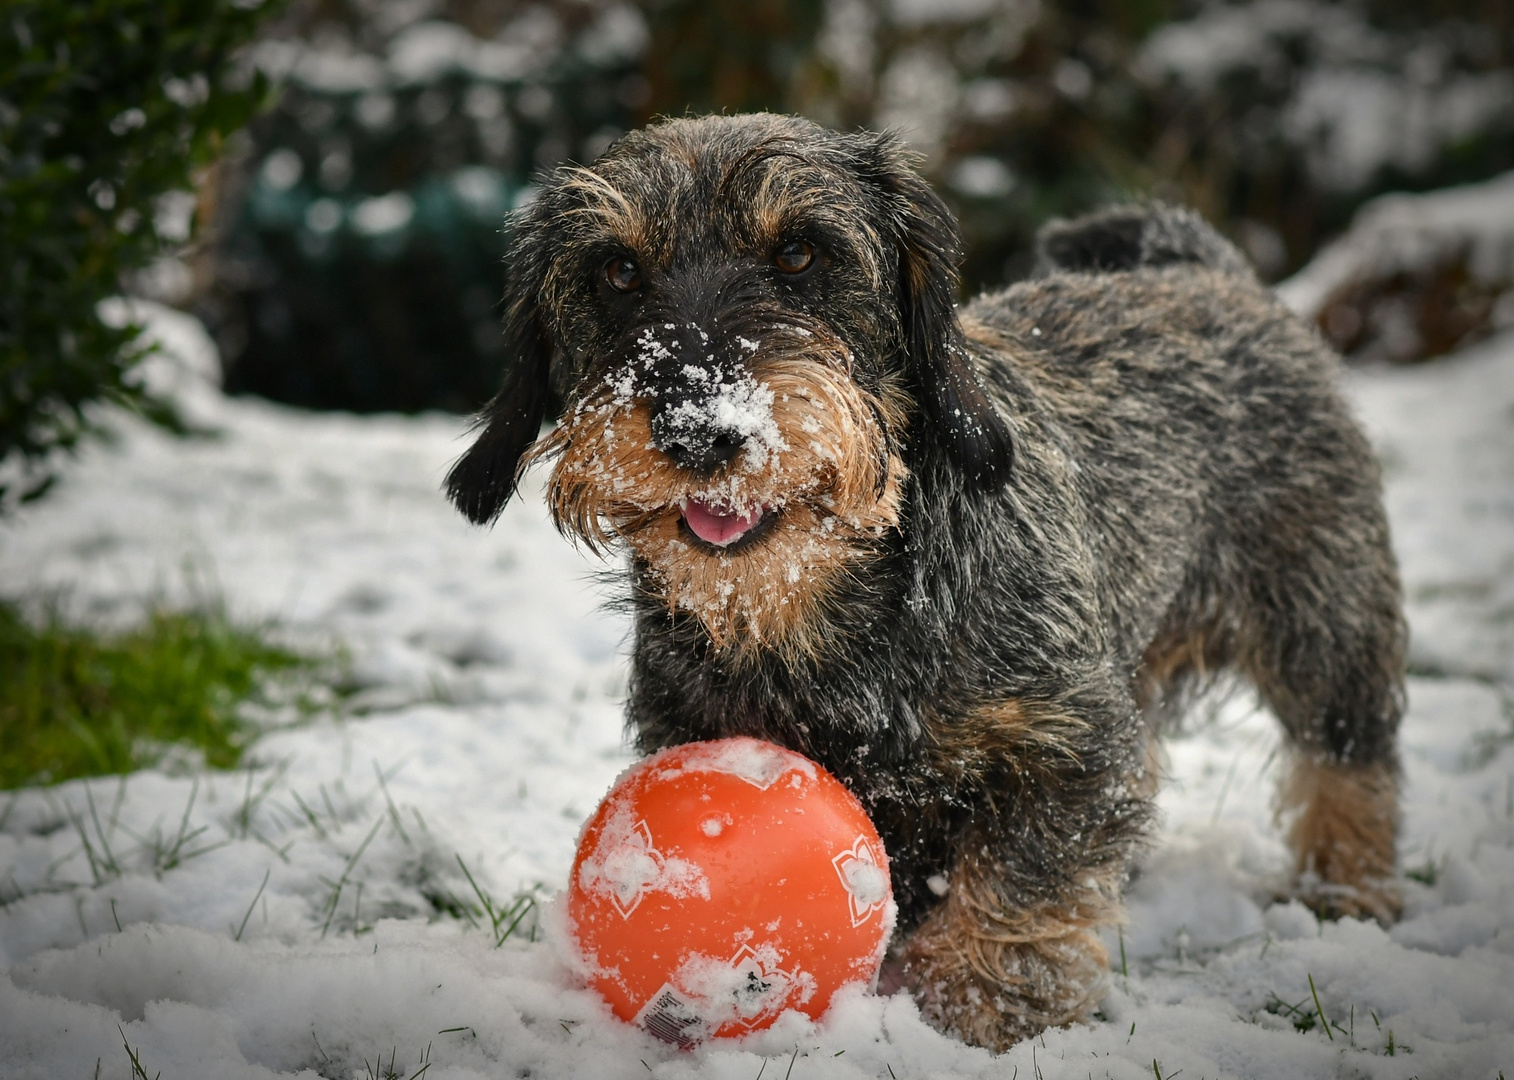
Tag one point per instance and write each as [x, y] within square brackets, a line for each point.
[722, 526]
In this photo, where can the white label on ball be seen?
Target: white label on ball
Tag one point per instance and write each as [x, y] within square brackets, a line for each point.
[671, 1017]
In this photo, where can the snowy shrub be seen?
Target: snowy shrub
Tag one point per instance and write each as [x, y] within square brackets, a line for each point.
[1284, 116]
[106, 107]
[1275, 118]
[1416, 276]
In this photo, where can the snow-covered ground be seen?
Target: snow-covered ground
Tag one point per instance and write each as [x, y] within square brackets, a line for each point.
[293, 918]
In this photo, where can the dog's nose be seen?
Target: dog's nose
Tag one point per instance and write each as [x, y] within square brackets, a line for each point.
[691, 437]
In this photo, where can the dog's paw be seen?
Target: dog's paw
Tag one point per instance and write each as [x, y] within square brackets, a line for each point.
[957, 1002]
[991, 986]
[1343, 833]
[1367, 898]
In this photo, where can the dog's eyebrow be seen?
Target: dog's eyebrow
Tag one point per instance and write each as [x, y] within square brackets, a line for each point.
[607, 206]
[771, 216]
[758, 155]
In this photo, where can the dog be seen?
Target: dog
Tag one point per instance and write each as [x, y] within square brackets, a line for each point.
[972, 561]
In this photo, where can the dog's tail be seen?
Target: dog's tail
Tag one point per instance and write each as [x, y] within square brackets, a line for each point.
[1129, 237]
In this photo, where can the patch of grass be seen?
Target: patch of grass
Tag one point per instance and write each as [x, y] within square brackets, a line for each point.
[380, 1071]
[77, 702]
[1303, 1020]
[137, 1071]
[504, 919]
[1426, 874]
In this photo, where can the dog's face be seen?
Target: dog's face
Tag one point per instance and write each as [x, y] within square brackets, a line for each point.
[749, 319]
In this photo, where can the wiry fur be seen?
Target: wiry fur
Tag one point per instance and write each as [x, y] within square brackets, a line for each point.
[1003, 541]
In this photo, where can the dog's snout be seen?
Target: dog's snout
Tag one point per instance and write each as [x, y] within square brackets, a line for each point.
[689, 435]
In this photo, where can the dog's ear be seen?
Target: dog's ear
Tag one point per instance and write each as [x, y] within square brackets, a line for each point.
[483, 479]
[954, 400]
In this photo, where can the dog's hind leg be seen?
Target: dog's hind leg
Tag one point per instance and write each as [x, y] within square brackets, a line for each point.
[1324, 642]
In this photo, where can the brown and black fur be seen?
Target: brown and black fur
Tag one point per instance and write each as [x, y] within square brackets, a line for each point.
[1024, 526]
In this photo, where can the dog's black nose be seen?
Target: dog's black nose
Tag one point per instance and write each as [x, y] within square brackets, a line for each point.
[691, 437]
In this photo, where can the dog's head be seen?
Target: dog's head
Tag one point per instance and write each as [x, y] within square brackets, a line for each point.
[749, 319]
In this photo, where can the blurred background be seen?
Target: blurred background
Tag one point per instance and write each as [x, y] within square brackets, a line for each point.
[350, 241]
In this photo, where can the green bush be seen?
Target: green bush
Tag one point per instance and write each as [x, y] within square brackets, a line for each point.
[106, 106]
[359, 258]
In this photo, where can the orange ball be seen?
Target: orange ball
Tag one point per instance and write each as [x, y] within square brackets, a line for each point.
[721, 883]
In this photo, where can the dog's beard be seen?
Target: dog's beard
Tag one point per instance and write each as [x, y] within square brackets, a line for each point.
[815, 487]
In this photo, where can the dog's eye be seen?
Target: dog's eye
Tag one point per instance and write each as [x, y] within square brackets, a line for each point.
[623, 274]
[795, 257]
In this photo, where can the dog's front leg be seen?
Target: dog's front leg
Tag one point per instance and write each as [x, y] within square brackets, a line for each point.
[991, 972]
[1050, 803]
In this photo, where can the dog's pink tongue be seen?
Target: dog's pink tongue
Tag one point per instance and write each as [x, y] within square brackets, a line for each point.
[714, 527]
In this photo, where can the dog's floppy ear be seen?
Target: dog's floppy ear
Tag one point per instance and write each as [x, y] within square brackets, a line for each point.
[955, 402]
[484, 477]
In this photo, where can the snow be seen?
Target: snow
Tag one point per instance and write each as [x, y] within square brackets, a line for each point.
[1356, 121]
[1358, 99]
[425, 51]
[625, 866]
[383, 213]
[918, 94]
[289, 919]
[735, 402]
[759, 763]
[723, 990]
[864, 879]
[928, 12]
[422, 50]
[982, 177]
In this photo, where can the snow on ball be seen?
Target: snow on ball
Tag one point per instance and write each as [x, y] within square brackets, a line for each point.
[722, 883]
